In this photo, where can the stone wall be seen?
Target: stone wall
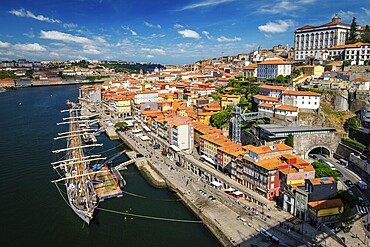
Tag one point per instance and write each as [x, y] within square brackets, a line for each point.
[303, 144]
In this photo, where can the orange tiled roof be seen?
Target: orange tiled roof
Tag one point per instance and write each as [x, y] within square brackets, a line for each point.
[266, 98]
[360, 79]
[355, 45]
[266, 105]
[273, 61]
[270, 87]
[287, 108]
[326, 204]
[300, 93]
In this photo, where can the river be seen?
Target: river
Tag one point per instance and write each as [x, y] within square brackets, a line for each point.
[33, 213]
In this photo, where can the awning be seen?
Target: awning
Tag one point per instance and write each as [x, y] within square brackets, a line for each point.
[145, 138]
[238, 193]
[215, 183]
[229, 190]
[136, 131]
[176, 149]
[208, 159]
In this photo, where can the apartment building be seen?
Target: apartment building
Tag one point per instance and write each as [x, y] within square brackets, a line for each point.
[301, 99]
[358, 53]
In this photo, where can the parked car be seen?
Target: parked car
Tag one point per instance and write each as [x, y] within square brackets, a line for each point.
[348, 182]
[350, 192]
[156, 146]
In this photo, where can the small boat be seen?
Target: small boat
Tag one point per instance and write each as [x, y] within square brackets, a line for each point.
[20, 103]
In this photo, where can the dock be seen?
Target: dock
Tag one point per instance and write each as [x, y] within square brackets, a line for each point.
[109, 188]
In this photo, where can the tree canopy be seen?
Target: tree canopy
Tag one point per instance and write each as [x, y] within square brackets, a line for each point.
[289, 140]
[351, 123]
[221, 119]
[352, 32]
[323, 170]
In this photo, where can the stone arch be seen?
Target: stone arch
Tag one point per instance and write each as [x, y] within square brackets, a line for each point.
[326, 150]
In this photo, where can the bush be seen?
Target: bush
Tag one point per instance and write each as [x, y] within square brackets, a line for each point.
[354, 143]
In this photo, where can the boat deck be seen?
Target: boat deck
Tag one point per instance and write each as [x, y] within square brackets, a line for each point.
[109, 188]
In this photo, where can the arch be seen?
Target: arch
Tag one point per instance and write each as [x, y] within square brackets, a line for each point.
[319, 149]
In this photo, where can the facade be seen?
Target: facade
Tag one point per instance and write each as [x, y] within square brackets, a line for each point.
[311, 40]
[271, 91]
[301, 99]
[146, 96]
[358, 53]
[324, 211]
[229, 99]
[182, 136]
[273, 68]
[208, 144]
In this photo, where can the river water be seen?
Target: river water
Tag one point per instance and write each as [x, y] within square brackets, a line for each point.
[33, 213]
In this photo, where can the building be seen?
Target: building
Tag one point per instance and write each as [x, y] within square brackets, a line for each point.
[273, 68]
[301, 99]
[324, 211]
[146, 96]
[271, 91]
[208, 145]
[276, 133]
[365, 117]
[181, 134]
[358, 53]
[311, 40]
[229, 99]
[250, 70]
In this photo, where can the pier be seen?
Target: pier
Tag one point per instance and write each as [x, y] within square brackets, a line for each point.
[109, 187]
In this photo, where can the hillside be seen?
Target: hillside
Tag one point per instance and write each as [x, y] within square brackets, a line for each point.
[326, 115]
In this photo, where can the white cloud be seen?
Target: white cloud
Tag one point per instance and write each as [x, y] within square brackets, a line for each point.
[4, 44]
[30, 34]
[224, 39]
[69, 25]
[149, 56]
[133, 33]
[279, 26]
[155, 35]
[206, 3]
[151, 25]
[284, 6]
[29, 14]
[66, 37]
[178, 26]
[367, 11]
[54, 54]
[29, 47]
[90, 49]
[154, 51]
[346, 15]
[205, 33]
[187, 33]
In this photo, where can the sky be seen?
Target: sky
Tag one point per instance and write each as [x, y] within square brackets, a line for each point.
[159, 31]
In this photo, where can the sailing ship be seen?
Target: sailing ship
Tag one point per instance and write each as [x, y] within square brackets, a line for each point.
[77, 178]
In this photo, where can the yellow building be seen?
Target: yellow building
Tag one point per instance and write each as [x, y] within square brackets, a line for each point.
[210, 143]
[324, 211]
[123, 105]
[229, 99]
[205, 117]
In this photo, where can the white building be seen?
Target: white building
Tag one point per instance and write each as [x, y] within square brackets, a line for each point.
[358, 52]
[182, 136]
[278, 110]
[146, 96]
[301, 99]
[310, 40]
[271, 91]
[272, 68]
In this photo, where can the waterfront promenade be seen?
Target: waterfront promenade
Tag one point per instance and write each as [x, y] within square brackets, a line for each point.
[219, 215]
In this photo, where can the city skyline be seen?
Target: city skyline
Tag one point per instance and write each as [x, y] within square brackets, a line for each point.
[160, 31]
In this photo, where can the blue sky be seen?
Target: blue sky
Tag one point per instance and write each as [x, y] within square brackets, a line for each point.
[159, 31]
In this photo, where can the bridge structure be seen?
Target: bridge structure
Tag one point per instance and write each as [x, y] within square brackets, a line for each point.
[237, 120]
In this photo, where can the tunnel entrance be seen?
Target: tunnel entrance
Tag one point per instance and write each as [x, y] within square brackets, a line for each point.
[319, 150]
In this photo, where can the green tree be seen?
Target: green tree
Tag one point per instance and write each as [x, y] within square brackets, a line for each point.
[290, 140]
[281, 79]
[352, 32]
[222, 118]
[351, 123]
[323, 170]
[366, 35]
[120, 125]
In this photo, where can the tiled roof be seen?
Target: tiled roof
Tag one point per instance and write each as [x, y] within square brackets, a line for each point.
[300, 93]
[326, 204]
[287, 108]
[266, 98]
[270, 87]
[273, 61]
